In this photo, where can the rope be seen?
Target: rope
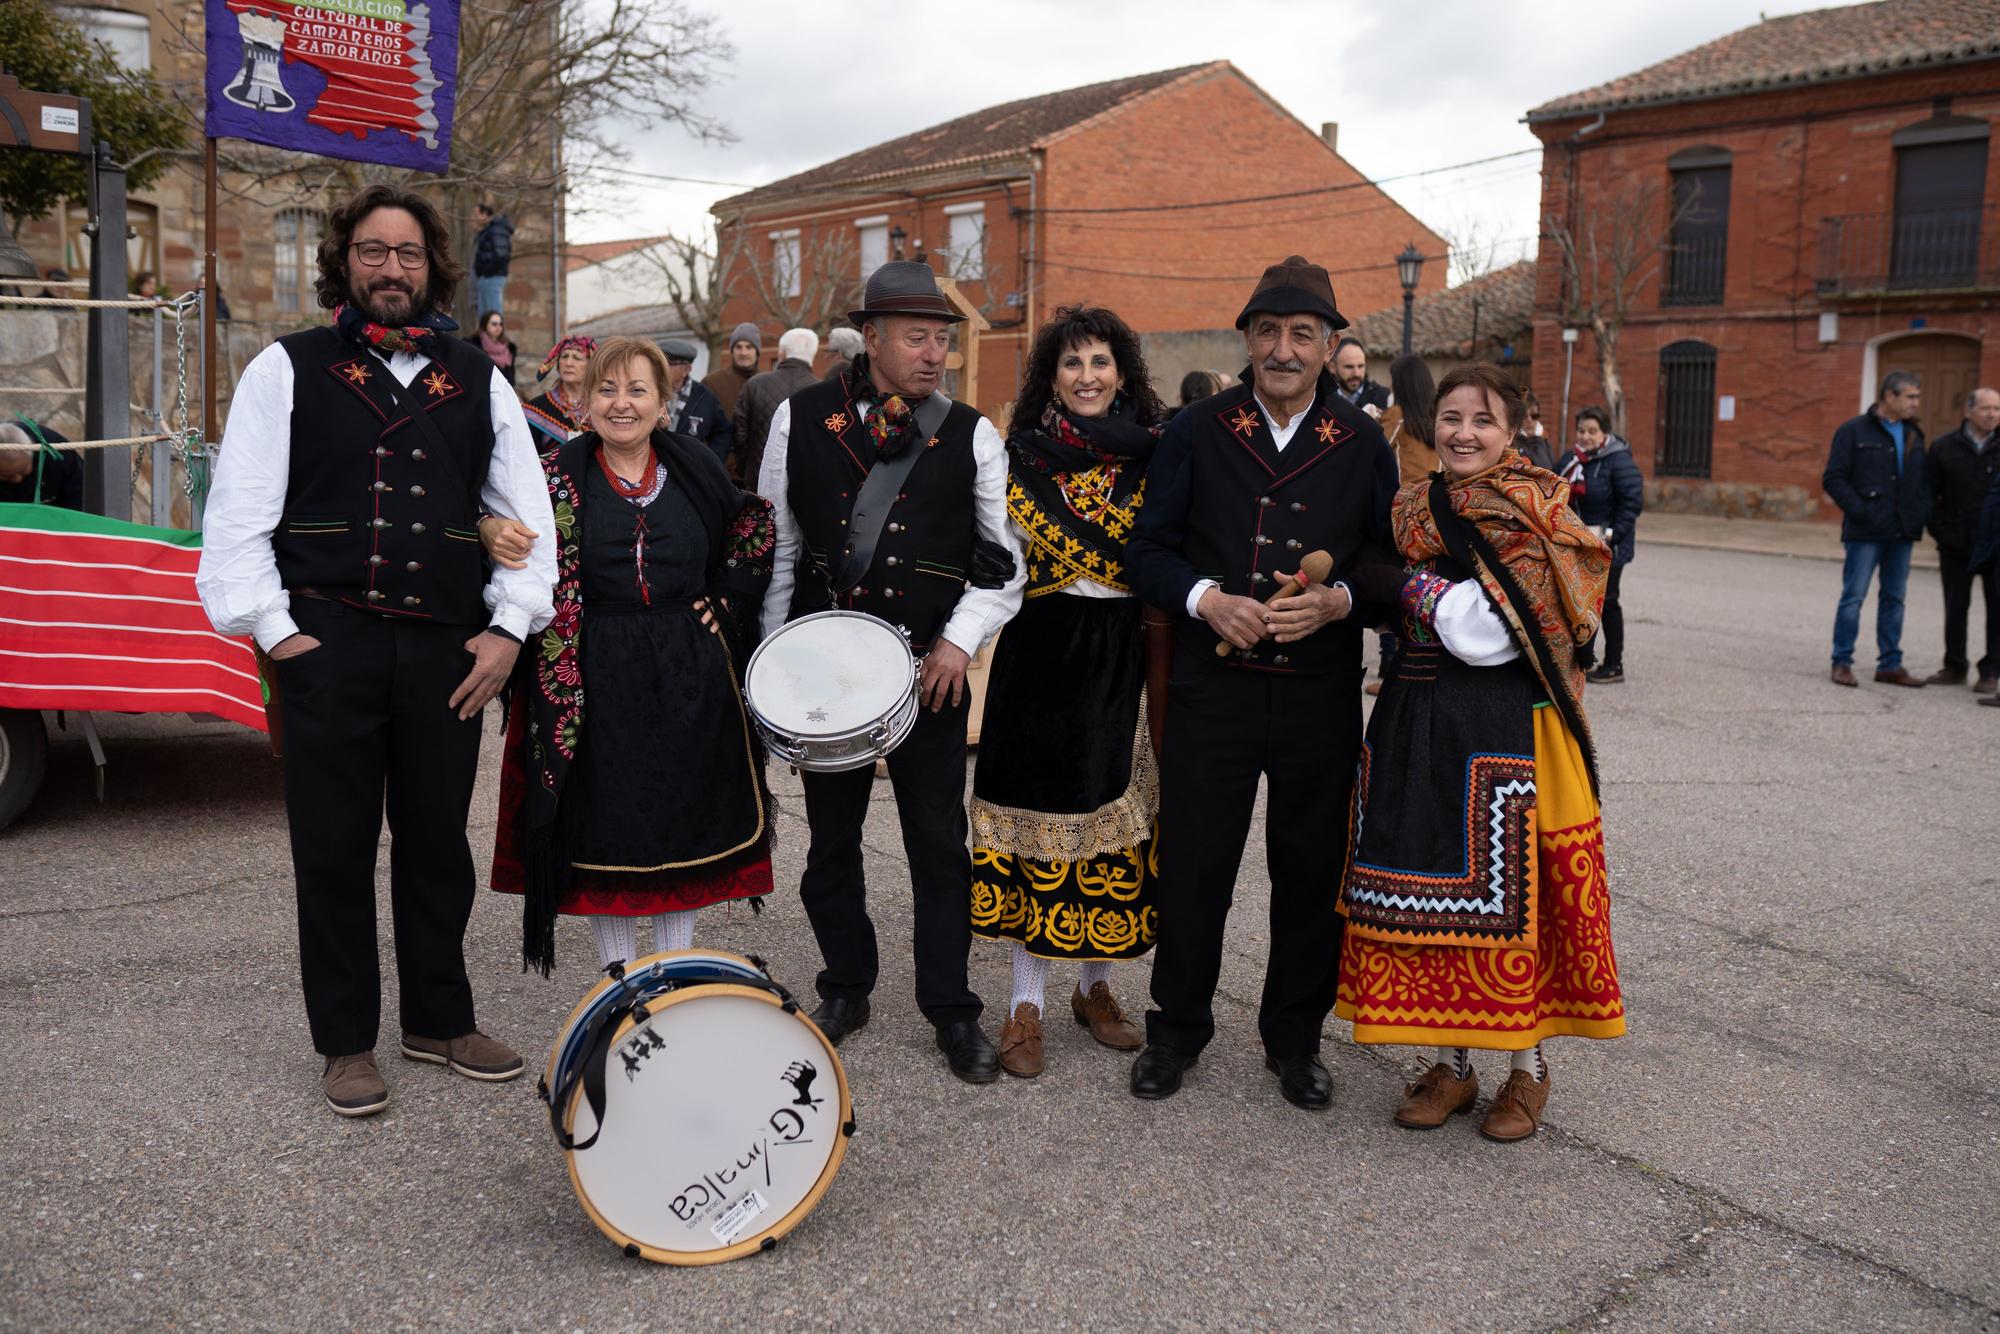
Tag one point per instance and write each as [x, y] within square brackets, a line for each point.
[91, 445]
[77, 303]
[38, 389]
[45, 282]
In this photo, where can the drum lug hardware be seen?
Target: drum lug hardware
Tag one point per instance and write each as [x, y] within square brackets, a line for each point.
[847, 1128]
[770, 1244]
[631, 1251]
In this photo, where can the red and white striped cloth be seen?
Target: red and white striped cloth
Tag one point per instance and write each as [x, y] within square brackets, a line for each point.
[96, 613]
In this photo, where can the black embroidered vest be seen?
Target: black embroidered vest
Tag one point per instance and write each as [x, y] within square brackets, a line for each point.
[375, 514]
[1254, 511]
[926, 546]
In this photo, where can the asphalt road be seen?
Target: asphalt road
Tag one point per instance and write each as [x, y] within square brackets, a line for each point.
[1800, 1131]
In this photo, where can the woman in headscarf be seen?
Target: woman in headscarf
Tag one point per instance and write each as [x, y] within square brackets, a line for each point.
[1475, 895]
[560, 413]
[1065, 791]
[633, 785]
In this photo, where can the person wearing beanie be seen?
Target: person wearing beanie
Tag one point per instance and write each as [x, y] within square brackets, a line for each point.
[746, 351]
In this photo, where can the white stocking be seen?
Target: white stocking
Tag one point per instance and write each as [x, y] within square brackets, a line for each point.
[617, 940]
[1531, 1061]
[1459, 1059]
[1031, 978]
[1092, 974]
[674, 930]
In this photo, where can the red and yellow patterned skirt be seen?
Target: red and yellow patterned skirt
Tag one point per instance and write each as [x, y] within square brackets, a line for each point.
[1509, 998]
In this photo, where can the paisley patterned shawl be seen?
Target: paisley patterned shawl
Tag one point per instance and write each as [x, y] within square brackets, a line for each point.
[1523, 514]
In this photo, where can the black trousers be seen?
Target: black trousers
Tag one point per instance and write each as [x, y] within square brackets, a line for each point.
[1957, 575]
[366, 719]
[1614, 619]
[1225, 728]
[928, 774]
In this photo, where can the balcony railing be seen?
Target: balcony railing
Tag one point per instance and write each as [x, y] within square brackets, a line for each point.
[1942, 250]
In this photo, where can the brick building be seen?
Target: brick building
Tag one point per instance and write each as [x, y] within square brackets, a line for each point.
[1097, 194]
[266, 237]
[1487, 318]
[1825, 190]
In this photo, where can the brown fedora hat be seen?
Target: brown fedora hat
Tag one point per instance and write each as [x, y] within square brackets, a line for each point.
[1293, 286]
[904, 287]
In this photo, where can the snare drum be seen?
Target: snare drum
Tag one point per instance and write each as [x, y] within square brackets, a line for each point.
[702, 1116]
[833, 691]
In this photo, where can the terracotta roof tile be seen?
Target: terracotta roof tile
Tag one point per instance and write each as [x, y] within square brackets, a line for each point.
[1441, 323]
[578, 254]
[1008, 130]
[1815, 47]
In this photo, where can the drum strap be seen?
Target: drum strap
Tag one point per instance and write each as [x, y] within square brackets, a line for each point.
[590, 1071]
[878, 493]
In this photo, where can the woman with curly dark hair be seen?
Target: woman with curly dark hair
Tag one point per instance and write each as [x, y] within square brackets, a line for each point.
[1065, 789]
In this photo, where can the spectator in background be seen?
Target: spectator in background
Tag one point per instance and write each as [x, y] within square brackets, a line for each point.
[1607, 493]
[760, 399]
[691, 408]
[1987, 548]
[1197, 385]
[1875, 472]
[146, 285]
[493, 341]
[845, 343]
[1960, 467]
[1533, 442]
[1350, 368]
[492, 253]
[746, 347]
[54, 276]
[61, 481]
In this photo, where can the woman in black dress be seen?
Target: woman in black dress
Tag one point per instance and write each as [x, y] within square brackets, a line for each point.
[633, 784]
[1065, 789]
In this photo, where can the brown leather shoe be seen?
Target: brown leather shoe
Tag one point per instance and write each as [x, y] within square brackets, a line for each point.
[1436, 1097]
[1900, 677]
[1021, 1042]
[474, 1055]
[354, 1086]
[1843, 675]
[1105, 1018]
[1991, 701]
[1986, 685]
[1945, 676]
[1516, 1112]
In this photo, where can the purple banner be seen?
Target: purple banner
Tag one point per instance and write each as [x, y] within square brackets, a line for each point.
[371, 80]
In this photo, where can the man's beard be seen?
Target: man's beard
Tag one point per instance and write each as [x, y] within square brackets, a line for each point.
[368, 300]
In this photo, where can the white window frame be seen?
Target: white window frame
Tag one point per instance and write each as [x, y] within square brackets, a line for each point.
[785, 258]
[868, 232]
[128, 36]
[295, 258]
[968, 262]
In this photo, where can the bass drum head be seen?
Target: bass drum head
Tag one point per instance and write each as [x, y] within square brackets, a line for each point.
[651, 974]
[725, 1119]
[829, 673]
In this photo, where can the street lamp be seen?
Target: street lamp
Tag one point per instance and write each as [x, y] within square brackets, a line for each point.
[896, 238]
[1409, 266]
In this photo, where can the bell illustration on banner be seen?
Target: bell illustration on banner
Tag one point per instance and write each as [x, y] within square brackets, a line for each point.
[257, 84]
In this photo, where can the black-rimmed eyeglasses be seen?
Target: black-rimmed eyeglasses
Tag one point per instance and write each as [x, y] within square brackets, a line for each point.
[376, 253]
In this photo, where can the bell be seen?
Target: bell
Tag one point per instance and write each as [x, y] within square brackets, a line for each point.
[257, 84]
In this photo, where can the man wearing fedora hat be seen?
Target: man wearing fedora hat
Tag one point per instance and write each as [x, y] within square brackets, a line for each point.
[891, 499]
[1244, 485]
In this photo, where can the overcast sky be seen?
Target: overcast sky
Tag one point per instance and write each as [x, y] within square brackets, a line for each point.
[812, 82]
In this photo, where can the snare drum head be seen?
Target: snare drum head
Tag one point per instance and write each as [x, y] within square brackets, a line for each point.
[830, 673]
[724, 1121]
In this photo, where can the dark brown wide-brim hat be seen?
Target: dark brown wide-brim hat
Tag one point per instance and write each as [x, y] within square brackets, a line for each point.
[904, 287]
[1294, 286]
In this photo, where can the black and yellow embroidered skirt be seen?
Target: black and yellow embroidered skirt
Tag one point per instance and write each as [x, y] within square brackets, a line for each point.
[1065, 790]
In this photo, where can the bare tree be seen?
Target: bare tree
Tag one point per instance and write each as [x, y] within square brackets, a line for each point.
[1609, 254]
[697, 279]
[811, 279]
[1475, 246]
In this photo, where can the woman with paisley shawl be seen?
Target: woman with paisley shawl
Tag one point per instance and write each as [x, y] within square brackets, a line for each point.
[632, 784]
[558, 413]
[1475, 893]
[1065, 790]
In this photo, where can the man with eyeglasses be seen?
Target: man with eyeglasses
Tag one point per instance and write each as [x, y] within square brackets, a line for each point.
[342, 532]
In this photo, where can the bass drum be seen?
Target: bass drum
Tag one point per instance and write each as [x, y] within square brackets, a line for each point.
[701, 1114]
[832, 691]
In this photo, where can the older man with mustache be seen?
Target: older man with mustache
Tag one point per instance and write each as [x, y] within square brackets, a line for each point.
[1244, 485]
[343, 534]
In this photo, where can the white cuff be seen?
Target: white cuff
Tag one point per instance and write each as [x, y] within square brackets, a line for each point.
[1201, 586]
[513, 620]
[274, 627]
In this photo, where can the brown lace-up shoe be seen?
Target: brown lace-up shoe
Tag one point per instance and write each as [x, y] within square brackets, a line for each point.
[1021, 1041]
[1843, 675]
[1900, 677]
[354, 1086]
[1986, 685]
[1517, 1112]
[1436, 1097]
[474, 1055]
[1105, 1018]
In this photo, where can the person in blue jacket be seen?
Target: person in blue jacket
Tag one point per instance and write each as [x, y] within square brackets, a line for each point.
[1875, 473]
[1607, 493]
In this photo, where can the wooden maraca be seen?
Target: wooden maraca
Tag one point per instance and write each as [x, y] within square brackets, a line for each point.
[1315, 566]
